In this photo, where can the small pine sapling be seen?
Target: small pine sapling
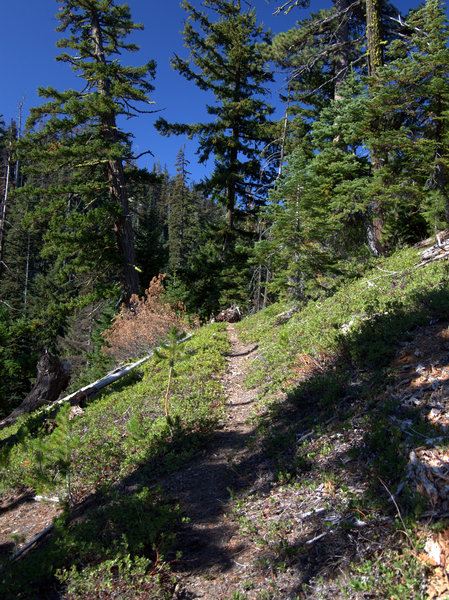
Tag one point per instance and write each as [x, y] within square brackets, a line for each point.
[53, 455]
[172, 352]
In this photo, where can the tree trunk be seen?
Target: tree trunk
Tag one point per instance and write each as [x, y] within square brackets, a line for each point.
[116, 177]
[3, 209]
[341, 63]
[375, 61]
[374, 35]
[53, 377]
[123, 229]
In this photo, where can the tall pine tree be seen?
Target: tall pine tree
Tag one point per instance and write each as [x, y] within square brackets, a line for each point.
[74, 149]
[226, 59]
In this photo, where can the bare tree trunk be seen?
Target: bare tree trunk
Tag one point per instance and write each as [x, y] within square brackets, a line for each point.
[3, 208]
[341, 63]
[374, 35]
[265, 295]
[375, 61]
[284, 131]
[27, 272]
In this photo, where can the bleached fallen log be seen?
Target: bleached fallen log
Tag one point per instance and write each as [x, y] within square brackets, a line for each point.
[315, 539]
[93, 388]
[111, 377]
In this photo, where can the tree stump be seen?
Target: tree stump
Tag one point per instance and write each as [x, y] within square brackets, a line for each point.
[53, 376]
[229, 315]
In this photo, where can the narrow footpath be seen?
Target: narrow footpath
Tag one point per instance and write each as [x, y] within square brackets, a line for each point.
[213, 555]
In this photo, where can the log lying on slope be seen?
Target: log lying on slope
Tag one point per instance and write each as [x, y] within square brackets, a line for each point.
[85, 392]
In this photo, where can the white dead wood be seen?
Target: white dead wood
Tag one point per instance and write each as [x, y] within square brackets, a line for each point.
[111, 377]
[93, 388]
[315, 539]
[311, 513]
[437, 252]
[53, 499]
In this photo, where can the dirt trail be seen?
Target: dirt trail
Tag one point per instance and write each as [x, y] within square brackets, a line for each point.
[212, 554]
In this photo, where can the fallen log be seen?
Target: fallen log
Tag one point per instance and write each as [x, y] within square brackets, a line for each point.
[91, 389]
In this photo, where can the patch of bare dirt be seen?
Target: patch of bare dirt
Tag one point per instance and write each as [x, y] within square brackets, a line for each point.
[22, 518]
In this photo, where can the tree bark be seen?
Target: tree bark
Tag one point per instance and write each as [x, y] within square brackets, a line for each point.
[53, 377]
[375, 61]
[374, 35]
[341, 63]
[3, 209]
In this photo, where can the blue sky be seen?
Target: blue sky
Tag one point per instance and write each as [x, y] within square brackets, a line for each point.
[28, 51]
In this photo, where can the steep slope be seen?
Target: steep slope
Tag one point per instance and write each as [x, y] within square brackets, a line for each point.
[305, 457]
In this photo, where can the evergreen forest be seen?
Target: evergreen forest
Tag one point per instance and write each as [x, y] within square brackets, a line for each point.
[327, 147]
[355, 168]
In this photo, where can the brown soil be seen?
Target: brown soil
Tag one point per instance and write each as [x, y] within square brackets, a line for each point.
[213, 556]
[22, 518]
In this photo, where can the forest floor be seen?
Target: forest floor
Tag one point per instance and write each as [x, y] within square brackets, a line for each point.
[252, 533]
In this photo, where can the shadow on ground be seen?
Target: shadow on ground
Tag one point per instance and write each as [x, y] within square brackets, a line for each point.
[143, 515]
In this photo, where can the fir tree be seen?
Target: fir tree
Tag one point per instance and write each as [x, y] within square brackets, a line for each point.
[74, 149]
[226, 58]
[178, 214]
[409, 102]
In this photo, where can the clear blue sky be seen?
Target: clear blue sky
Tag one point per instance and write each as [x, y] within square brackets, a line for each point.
[28, 51]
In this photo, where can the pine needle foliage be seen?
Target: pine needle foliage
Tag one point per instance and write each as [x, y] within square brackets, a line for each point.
[75, 152]
[227, 59]
[53, 454]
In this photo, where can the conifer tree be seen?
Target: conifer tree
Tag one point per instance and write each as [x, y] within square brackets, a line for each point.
[178, 213]
[147, 201]
[75, 150]
[226, 59]
[409, 102]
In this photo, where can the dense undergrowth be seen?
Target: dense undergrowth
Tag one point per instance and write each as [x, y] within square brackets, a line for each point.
[325, 419]
[113, 454]
[362, 321]
[341, 440]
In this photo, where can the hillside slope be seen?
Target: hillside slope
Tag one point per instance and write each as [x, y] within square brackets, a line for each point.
[324, 476]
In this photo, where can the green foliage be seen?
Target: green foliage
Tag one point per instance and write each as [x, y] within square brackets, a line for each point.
[226, 57]
[51, 457]
[19, 343]
[409, 103]
[122, 538]
[396, 576]
[116, 545]
[171, 352]
[126, 428]
[74, 152]
[363, 319]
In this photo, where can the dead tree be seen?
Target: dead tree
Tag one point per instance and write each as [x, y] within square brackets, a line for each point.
[53, 376]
